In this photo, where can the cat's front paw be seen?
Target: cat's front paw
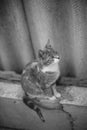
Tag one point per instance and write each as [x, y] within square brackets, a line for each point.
[55, 92]
[57, 95]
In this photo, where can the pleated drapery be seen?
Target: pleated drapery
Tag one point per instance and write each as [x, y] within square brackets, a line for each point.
[26, 25]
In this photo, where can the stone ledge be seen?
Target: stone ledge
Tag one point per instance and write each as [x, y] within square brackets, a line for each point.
[70, 88]
[10, 88]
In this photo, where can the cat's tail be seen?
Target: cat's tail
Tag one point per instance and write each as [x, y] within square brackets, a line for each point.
[34, 107]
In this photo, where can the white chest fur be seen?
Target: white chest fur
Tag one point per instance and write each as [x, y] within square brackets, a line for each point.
[54, 67]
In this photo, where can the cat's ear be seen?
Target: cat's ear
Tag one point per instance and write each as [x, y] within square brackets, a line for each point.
[48, 45]
[40, 53]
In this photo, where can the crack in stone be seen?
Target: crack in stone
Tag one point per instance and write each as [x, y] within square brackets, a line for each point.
[69, 117]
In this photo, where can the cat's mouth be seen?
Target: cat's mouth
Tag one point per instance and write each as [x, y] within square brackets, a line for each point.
[56, 57]
[56, 60]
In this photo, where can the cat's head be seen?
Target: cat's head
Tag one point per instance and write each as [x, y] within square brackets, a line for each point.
[48, 55]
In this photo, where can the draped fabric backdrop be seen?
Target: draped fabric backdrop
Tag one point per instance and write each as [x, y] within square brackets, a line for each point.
[26, 26]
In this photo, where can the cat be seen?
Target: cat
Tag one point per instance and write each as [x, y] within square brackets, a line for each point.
[39, 76]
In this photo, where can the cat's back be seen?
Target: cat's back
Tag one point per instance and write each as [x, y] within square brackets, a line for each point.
[29, 78]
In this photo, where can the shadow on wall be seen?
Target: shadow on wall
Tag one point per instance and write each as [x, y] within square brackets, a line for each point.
[26, 25]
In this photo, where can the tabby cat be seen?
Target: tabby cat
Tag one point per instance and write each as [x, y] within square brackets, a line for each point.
[39, 77]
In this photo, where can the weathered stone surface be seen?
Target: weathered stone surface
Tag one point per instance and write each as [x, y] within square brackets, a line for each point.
[15, 114]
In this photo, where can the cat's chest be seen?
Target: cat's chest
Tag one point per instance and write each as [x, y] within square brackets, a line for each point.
[51, 68]
[47, 78]
[51, 77]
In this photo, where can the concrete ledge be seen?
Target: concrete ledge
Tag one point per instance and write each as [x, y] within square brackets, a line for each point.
[10, 87]
[11, 90]
[75, 95]
[14, 114]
